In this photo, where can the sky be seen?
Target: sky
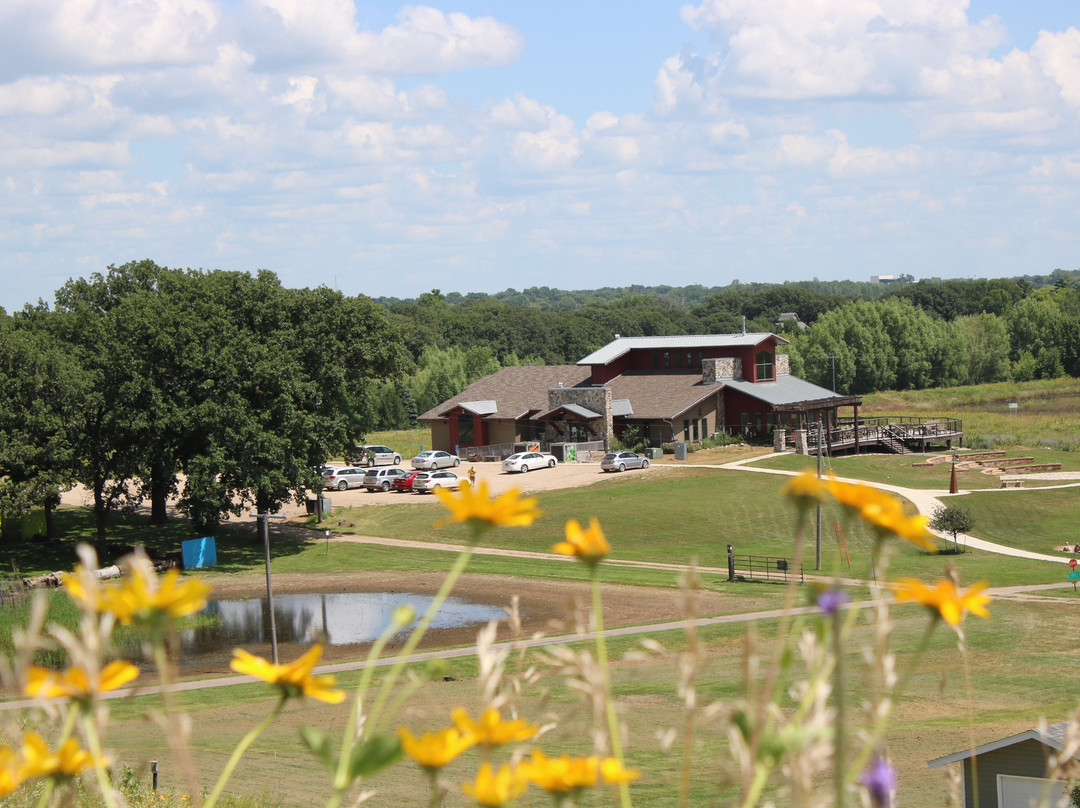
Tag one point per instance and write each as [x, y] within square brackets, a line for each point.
[477, 146]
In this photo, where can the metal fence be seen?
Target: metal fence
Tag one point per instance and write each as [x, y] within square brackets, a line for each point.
[762, 568]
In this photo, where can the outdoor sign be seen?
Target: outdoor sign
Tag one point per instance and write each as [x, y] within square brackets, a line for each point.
[570, 453]
[199, 553]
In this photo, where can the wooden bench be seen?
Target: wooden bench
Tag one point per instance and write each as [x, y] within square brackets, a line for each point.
[1012, 483]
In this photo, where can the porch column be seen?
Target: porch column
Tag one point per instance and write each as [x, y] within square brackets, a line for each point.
[855, 417]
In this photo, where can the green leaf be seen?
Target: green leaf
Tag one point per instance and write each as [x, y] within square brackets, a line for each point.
[318, 742]
[374, 754]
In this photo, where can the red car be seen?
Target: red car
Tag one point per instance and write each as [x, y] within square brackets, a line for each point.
[403, 482]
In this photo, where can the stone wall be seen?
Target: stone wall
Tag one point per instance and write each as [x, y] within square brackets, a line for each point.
[725, 367]
[783, 364]
[597, 399]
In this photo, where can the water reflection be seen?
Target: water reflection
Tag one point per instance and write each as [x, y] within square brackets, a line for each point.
[344, 618]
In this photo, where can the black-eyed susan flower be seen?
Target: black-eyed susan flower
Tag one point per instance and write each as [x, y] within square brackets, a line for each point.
[70, 760]
[75, 683]
[806, 489]
[883, 512]
[495, 788]
[433, 750]
[473, 505]
[292, 679]
[589, 544]
[945, 598]
[10, 771]
[612, 772]
[564, 774]
[143, 597]
[492, 730]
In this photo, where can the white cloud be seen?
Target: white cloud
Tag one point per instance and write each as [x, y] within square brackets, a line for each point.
[1059, 57]
[46, 35]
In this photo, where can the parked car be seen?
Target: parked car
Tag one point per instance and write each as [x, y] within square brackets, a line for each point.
[374, 456]
[525, 461]
[621, 461]
[380, 479]
[434, 459]
[343, 478]
[427, 481]
[405, 481]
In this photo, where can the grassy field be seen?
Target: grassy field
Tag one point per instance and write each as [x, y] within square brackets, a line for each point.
[1045, 416]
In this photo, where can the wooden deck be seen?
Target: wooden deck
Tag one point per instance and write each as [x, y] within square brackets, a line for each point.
[894, 434]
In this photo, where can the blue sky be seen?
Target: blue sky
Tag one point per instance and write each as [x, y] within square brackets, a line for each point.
[477, 146]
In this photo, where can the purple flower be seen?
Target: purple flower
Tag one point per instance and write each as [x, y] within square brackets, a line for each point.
[831, 600]
[879, 779]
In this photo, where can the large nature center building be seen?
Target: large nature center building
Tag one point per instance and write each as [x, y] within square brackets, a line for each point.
[671, 389]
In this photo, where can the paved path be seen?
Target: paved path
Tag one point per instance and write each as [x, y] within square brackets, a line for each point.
[925, 500]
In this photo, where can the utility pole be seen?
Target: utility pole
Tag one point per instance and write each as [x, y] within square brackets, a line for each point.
[264, 528]
[833, 358]
[817, 557]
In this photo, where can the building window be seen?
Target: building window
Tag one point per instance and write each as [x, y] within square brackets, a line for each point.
[697, 435]
[667, 359]
[686, 429]
[678, 359]
[577, 432]
[655, 359]
[764, 366]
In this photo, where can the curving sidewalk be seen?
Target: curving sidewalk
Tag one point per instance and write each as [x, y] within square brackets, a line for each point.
[925, 500]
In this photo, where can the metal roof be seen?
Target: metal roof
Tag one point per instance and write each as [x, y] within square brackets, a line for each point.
[616, 348]
[576, 409]
[785, 389]
[1053, 737]
[622, 406]
[479, 407]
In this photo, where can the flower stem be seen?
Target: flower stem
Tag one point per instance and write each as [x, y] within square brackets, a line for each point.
[108, 793]
[417, 633]
[609, 698]
[239, 751]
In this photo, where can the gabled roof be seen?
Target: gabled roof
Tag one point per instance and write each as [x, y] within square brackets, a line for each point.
[785, 389]
[1054, 737]
[576, 409]
[515, 391]
[616, 348]
[479, 407]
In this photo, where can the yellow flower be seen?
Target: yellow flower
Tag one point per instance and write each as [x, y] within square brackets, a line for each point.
[882, 511]
[612, 771]
[82, 586]
[806, 489]
[39, 761]
[491, 730]
[10, 776]
[434, 749]
[292, 679]
[143, 597]
[562, 775]
[496, 788]
[74, 683]
[474, 505]
[588, 545]
[945, 598]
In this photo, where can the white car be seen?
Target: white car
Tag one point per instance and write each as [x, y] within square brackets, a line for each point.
[427, 482]
[434, 459]
[527, 461]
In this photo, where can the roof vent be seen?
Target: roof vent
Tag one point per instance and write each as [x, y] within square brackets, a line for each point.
[618, 336]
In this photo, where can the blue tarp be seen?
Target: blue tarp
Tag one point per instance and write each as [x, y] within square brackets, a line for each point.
[199, 553]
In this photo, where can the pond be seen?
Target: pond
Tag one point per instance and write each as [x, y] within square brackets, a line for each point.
[340, 618]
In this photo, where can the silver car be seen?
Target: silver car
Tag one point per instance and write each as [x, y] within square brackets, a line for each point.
[344, 478]
[381, 479]
[374, 456]
[435, 459]
[621, 461]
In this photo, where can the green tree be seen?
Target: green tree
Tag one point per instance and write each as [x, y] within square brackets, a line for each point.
[984, 346]
[954, 520]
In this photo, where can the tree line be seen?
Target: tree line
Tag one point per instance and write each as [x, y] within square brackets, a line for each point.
[228, 390]
[224, 389]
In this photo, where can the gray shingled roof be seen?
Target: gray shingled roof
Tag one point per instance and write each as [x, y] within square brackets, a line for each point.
[515, 390]
[661, 394]
[616, 348]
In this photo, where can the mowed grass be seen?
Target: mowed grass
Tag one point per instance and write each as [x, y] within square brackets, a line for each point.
[1013, 683]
